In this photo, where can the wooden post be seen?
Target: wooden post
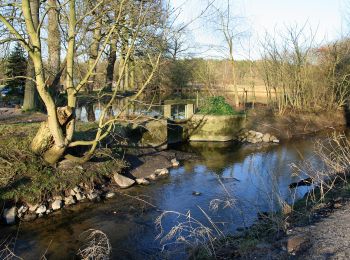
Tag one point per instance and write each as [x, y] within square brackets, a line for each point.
[167, 111]
[189, 110]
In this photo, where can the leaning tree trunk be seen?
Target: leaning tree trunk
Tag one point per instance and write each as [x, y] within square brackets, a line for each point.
[43, 143]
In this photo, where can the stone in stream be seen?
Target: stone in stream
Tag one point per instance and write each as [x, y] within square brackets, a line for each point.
[33, 208]
[259, 135]
[110, 195]
[41, 209]
[9, 215]
[266, 138]
[69, 200]
[142, 181]
[75, 191]
[23, 209]
[122, 181]
[57, 204]
[175, 163]
[161, 172]
[196, 193]
[93, 195]
[80, 196]
[152, 177]
[58, 197]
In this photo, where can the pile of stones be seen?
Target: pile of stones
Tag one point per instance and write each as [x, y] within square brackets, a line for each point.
[80, 193]
[255, 137]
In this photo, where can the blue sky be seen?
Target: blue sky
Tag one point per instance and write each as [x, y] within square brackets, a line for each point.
[324, 17]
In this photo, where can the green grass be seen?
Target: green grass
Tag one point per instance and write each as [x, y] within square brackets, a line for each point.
[217, 106]
[25, 176]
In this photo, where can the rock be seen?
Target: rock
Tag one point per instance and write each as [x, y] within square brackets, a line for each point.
[122, 181]
[196, 193]
[251, 133]
[33, 208]
[161, 172]
[337, 205]
[142, 181]
[69, 200]
[48, 211]
[295, 243]
[41, 209]
[93, 195]
[23, 209]
[272, 137]
[58, 197]
[266, 138]
[29, 217]
[276, 141]
[259, 135]
[75, 190]
[110, 195]
[175, 163]
[57, 204]
[9, 215]
[152, 177]
[80, 196]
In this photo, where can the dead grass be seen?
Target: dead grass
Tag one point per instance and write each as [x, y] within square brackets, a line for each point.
[96, 246]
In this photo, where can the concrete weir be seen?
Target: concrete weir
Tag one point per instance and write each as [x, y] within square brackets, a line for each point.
[213, 128]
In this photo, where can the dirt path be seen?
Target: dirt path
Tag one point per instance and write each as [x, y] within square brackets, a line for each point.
[329, 238]
[14, 115]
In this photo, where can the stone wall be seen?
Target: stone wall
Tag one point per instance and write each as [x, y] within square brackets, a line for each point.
[215, 128]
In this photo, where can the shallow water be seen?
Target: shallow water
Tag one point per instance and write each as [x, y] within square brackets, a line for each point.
[247, 175]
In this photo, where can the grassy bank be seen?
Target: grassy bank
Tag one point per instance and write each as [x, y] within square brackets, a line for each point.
[24, 176]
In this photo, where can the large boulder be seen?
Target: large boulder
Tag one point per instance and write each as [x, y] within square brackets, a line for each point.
[9, 215]
[122, 181]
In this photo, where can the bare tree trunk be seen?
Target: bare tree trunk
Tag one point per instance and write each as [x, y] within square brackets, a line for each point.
[112, 57]
[54, 47]
[30, 101]
[94, 50]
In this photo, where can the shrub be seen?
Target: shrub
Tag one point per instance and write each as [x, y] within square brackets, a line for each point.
[216, 106]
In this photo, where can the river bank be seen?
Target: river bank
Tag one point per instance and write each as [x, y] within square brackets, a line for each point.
[312, 230]
[206, 160]
[25, 179]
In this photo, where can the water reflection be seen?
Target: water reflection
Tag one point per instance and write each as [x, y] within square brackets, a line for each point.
[253, 177]
[92, 112]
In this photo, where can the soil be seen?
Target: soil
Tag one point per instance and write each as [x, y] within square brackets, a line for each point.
[329, 238]
[294, 124]
[326, 236]
[144, 165]
[15, 115]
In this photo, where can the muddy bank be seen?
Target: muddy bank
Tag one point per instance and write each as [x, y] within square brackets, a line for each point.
[294, 124]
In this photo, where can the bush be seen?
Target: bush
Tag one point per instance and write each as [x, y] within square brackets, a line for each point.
[216, 106]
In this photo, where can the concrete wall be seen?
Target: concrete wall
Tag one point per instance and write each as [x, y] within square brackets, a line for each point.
[214, 128]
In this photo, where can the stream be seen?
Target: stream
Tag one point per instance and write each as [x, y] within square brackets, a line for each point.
[249, 176]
